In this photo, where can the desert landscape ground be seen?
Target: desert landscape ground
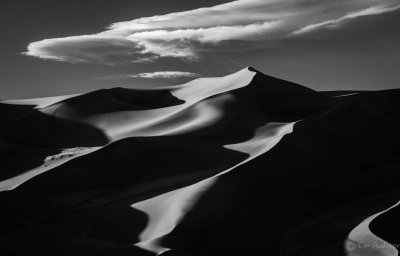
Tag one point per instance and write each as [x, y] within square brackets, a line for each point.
[245, 164]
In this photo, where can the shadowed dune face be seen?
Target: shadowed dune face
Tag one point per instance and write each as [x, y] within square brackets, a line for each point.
[245, 164]
[39, 130]
[28, 137]
[362, 240]
[305, 195]
[111, 101]
[29, 140]
[385, 225]
[10, 112]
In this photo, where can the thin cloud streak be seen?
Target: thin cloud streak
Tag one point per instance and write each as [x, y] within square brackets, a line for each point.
[155, 75]
[375, 10]
[211, 35]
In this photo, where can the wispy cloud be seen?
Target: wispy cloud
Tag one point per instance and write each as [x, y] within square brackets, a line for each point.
[95, 49]
[335, 23]
[184, 35]
[155, 75]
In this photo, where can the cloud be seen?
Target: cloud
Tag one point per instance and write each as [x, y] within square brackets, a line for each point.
[180, 43]
[185, 35]
[229, 14]
[375, 10]
[155, 75]
[93, 49]
[208, 35]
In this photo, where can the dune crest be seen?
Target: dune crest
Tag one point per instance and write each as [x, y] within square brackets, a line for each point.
[361, 241]
[245, 164]
[165, 211]
[196, 111]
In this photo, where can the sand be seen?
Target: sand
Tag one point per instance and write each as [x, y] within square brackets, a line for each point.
[245, 164]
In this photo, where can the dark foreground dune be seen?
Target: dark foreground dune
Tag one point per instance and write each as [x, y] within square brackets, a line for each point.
[245, 164]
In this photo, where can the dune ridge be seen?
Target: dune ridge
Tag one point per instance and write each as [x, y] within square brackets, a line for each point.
[245, 164]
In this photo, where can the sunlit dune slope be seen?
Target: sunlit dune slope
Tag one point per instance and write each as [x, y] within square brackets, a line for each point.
[245, 164]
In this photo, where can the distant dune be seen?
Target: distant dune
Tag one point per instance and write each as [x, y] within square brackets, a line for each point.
[245, 164]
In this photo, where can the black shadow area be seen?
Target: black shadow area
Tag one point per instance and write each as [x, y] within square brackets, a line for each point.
[306, 194]
[27, 139]
[83, 206]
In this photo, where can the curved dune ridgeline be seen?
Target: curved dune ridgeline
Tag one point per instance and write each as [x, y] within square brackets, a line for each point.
[245, 164]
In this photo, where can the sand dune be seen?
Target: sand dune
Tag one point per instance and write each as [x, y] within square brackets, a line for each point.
[361, 241]
[245, 164]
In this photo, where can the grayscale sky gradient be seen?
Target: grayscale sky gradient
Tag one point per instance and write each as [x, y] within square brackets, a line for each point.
[54, 47]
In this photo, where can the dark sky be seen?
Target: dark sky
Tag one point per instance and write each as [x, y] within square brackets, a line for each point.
[360, 51]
